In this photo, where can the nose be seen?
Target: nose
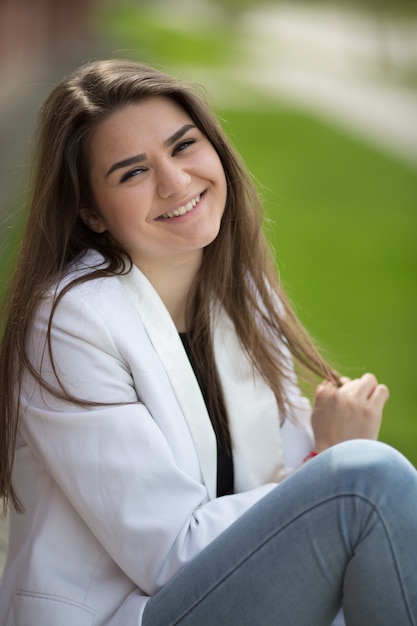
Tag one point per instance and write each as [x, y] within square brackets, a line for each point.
[172, 179]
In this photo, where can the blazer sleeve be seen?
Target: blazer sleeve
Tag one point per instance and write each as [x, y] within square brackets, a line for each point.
[113, 463]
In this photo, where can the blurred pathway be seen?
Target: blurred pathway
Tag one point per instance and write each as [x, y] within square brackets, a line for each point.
[353, 71]
[341, 67]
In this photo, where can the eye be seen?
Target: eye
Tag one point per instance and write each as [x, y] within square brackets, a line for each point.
[182, 146]
[132, 173]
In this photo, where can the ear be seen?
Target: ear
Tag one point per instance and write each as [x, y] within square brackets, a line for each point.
[92, 220]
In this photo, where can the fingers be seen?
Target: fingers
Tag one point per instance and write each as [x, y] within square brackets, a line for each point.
[363, 388]
[366, 385]
[365, 391]
[352, 411]
[379, 397]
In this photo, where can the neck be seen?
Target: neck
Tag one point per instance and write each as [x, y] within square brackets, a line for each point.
[172, 279]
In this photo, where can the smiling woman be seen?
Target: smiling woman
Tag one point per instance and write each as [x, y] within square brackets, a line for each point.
[164, 205]
[154, 439]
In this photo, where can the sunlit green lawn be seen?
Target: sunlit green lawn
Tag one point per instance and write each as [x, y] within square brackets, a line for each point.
[344, 232]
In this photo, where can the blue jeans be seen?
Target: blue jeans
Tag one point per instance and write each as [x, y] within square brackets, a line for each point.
[339, 532]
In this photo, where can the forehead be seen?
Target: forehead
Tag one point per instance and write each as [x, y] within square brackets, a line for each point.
[152, 117]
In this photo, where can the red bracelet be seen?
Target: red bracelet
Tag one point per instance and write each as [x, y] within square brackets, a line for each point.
[311, 455]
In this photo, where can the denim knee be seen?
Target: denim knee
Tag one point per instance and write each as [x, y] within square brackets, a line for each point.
[371, 467]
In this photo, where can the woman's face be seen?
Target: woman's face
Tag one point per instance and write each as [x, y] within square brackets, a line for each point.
[158, 184]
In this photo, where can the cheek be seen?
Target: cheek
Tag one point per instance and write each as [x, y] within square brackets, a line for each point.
[216, 173]
[223, 185]
[121, 207]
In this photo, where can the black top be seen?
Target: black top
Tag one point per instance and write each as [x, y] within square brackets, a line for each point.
[224, 458]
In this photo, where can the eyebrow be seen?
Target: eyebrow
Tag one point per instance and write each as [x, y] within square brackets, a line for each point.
[138, 158]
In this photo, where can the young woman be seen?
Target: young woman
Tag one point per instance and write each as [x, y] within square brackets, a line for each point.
[155, 446]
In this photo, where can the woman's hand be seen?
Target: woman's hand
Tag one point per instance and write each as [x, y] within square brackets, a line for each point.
[351, 411]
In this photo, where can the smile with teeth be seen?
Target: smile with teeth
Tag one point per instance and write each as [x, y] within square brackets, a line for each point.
[183, 209]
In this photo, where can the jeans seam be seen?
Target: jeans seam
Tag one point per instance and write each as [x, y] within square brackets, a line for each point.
[392, 551]
[293, 519]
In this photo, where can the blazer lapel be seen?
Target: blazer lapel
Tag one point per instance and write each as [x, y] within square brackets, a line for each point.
[252, 411]
[168, 345]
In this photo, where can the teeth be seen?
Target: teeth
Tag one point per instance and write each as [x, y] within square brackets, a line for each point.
[182, 210]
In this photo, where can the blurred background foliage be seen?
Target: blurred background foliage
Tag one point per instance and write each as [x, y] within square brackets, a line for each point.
[341, 204]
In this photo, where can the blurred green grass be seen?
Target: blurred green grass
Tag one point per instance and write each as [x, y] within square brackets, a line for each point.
[146, 39]
[343, 225]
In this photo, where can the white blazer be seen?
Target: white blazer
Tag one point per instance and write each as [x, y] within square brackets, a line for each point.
[118, 498]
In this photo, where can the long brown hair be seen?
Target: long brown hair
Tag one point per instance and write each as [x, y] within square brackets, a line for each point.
[238, 269]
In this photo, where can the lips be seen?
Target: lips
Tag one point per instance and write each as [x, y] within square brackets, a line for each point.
[186, 208]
